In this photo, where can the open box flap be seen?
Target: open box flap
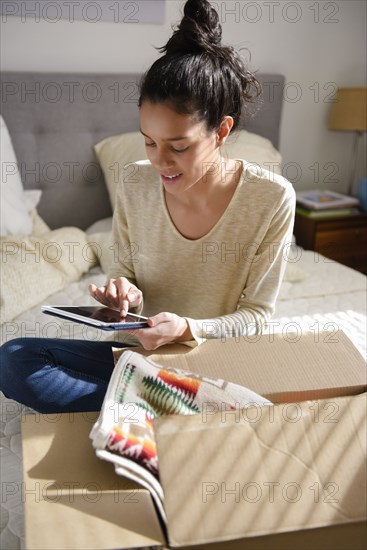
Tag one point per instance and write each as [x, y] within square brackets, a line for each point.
[252, 472]
[72, 499]
[281, 368]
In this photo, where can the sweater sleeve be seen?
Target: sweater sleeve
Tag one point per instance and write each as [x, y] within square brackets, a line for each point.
[122, 261]
[257, 302]
[125, 253]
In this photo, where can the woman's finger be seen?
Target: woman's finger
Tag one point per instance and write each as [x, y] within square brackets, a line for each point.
[95, 292]
[117, 293]
[125, 288]
[92, 289]
[111, 290]
[162, 317]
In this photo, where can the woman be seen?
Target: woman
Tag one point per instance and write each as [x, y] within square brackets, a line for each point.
[206, 234]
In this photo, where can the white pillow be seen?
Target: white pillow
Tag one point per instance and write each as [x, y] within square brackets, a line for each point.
[100, 226]
[115, 152]
[16, 204]
[101, 245]
[40, 227]
[253, 148]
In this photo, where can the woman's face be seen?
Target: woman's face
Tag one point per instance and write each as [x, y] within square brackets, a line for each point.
[178, 146]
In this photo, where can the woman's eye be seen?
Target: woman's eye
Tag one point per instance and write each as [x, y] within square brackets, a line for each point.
[173, 149]
[180, 150]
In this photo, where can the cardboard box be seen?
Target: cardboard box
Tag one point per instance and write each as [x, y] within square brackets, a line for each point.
[268, 477]
[282, 369]
[264, 471]
[74, 500]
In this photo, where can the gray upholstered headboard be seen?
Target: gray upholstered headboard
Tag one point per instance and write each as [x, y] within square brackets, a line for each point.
[55, 119]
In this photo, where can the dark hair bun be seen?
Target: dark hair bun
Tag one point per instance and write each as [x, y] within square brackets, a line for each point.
[199, 76]
[199, 30]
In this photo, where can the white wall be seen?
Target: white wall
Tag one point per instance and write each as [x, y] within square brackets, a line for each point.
[316, 45]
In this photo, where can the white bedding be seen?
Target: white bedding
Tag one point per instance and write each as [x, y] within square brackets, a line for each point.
[36, 324]
[332, 296]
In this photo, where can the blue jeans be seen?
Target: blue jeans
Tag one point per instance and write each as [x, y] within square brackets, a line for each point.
[56, 375]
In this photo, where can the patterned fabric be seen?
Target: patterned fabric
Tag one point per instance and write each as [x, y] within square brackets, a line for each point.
[141, 390]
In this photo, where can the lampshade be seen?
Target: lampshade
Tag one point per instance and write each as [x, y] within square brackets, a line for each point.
[349, 112]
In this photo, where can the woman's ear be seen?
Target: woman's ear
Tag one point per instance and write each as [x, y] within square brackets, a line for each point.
[224, 130]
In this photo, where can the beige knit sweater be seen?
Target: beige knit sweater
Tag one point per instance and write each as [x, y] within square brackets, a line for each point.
[225, 283]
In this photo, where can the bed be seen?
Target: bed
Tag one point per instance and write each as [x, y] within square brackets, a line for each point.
[55, 122]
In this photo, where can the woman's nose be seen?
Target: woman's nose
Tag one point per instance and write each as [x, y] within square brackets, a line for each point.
[163, 158]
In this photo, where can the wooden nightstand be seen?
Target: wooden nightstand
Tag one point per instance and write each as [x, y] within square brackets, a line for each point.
[341, 239]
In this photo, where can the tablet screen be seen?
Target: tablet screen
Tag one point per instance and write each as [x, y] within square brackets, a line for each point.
[102, 314]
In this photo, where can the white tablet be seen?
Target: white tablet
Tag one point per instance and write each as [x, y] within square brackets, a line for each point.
[98, 316]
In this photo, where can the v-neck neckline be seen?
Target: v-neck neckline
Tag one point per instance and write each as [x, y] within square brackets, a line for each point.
[220, 219]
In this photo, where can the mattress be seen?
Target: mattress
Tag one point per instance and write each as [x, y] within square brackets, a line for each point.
[331, 297]
[328, 297]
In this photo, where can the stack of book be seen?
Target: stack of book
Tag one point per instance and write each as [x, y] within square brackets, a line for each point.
[325, 204]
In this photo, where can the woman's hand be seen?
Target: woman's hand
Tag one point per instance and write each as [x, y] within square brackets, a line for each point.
[164, 328]
[117, 294]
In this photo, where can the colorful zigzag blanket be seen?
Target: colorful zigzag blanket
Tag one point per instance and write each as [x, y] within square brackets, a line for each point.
[139, 391]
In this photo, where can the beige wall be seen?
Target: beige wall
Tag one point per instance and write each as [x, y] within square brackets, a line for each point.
[316, 45]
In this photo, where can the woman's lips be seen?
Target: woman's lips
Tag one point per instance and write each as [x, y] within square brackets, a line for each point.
[168, 179]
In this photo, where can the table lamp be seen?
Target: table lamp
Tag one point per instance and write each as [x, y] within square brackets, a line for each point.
[349, 114]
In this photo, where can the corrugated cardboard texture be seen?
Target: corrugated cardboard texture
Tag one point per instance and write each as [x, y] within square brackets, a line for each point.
[263, 470]
[282, 368]
[73, 500]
